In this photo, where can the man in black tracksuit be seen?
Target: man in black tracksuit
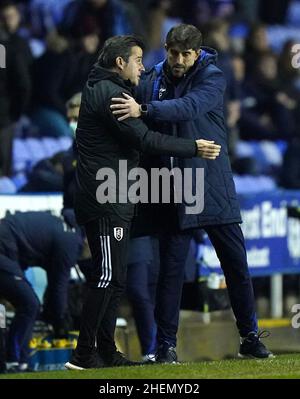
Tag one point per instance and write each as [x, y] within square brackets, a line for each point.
[102, 142]
[35, 239]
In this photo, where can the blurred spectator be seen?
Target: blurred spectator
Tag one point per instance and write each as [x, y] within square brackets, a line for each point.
[52, 75]
[200, 12]
[46, 175]
[247, 10]
[107, 17]
[239, 68]
[73, 106]
[70, 158]
[238, 32]
[290, 172]
[84, 54]
[10, 19]
[143, 7]
[15, 89]
[161, 20]
[289, 79]
[256, 44]
[265, 113]
[217, 37]
[273, 11]
[288, 75]
[45, 15]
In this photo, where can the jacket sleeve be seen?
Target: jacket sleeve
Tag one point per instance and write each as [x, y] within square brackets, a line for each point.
[135, 133]
[202, 98]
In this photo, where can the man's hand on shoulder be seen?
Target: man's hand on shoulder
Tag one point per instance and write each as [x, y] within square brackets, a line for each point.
[207, 149]
[127, 107]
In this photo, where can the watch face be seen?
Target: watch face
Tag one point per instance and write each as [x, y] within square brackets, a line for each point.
[144, 108]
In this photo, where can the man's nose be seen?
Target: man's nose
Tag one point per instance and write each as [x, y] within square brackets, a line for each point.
[142, 68]
[179, 59]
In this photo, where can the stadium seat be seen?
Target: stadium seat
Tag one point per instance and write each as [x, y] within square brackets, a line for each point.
[21, 155]
[65, 143]
[7, 186]
[51, 146]
[293, 15]
[268, 154]
[253, 184]
[27, 152]
[36, 149]
[19, 180]
[278, 35]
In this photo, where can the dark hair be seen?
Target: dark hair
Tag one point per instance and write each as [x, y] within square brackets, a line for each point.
[7, 3]
[118, 46]
[185, 37]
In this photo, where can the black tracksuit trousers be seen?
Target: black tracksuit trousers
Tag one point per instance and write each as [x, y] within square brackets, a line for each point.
[108, 242]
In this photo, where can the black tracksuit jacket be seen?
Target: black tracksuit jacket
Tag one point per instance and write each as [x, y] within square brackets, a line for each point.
[102, 141]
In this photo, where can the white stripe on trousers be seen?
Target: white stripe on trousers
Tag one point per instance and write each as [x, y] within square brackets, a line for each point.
[106, 262]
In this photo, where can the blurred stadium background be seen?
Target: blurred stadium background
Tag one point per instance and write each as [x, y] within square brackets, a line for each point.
[55, 43]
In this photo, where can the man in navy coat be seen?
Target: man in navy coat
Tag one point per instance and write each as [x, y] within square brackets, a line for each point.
[184, 95]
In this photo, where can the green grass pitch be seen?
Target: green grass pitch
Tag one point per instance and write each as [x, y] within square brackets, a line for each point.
[281, 367]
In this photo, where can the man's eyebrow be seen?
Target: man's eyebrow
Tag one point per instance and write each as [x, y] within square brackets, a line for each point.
[181, 51]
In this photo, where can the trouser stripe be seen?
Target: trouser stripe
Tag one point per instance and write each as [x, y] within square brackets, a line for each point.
[103, 263]
[106, 255]
[109, 261]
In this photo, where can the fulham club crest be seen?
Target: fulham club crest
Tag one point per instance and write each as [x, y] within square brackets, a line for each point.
[118, 233]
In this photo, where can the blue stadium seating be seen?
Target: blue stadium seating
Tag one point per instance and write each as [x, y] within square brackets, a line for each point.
[27, 152]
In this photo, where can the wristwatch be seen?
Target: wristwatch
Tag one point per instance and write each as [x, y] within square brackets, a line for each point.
[144, 109]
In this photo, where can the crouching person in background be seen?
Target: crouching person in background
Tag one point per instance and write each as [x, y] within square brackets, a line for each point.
[35, 239]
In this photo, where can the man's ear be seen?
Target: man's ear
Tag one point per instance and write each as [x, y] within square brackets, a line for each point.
[166, 47]
[120, 63]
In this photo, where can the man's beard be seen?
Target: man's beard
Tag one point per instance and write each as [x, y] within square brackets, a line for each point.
[178, 71]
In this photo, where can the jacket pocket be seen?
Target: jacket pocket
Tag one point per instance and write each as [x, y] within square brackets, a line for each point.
[229, 185]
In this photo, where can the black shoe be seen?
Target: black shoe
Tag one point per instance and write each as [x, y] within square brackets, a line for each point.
[13, 370]
[166, 354]
[18, 369]
[252, 348]
[91, 361]
[117, 359]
